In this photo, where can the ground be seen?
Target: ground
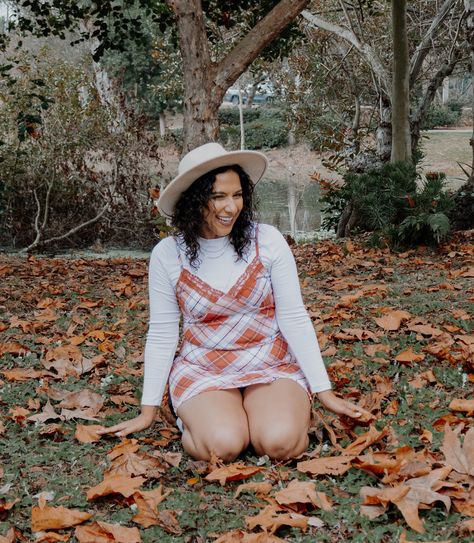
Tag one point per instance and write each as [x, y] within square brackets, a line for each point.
[396, 333]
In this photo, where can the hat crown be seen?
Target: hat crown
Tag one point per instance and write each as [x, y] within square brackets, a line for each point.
[201, 154]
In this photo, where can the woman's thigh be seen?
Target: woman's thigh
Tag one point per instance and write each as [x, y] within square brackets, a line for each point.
[215, 422]
[278, 416]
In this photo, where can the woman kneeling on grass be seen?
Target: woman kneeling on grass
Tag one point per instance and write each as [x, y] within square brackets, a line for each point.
[249, 359]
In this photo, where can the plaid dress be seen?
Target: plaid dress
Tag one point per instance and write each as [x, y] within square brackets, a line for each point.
[230, 340]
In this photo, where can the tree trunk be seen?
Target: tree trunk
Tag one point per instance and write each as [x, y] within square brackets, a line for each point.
[384, 130]
[205, 81]
[401, 146]
[469, 6]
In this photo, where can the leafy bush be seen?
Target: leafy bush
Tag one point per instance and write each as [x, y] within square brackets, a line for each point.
[388, 202]
[230, 115]
[441, 116]
[72, 170]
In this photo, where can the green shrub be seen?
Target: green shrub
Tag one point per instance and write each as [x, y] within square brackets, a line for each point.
[388, 202]
[72, 173]
[230, 115]
[441, 116]
[260, 134]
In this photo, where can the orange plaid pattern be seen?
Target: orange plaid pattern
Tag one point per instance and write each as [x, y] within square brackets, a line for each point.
[230, 340]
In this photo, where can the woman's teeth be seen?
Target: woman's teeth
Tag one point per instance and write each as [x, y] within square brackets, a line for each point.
[225, 220]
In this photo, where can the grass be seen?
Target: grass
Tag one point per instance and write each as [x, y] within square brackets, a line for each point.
[49, 302]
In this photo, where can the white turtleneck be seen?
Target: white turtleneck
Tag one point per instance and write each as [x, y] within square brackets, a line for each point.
[220, 269]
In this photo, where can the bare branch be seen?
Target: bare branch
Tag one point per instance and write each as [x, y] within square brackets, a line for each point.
[425, 45]
[364, 49]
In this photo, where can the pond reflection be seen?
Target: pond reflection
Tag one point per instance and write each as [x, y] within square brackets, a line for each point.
[292, 208]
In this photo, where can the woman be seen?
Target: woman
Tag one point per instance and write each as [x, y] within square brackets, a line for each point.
[249, 359]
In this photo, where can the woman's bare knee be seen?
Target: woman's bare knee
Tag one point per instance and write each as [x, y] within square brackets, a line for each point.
[280, 442]
[226, 443]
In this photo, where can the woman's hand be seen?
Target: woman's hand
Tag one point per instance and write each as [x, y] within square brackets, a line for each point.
[342, 407]
[142, 422]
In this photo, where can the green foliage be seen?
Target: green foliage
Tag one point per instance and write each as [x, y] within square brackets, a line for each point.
[67, 160]
[441, 116]
[388, 202]
[230, 115]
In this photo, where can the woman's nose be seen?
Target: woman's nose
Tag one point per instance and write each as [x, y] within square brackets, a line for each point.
[230, 205]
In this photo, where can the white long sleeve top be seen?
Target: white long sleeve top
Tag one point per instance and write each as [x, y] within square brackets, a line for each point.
[220, 269]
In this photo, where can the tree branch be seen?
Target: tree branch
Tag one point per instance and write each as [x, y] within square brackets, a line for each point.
[425, 45]
[364, 49]
[261, 35]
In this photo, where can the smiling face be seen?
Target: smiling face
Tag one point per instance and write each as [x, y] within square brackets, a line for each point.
[223, 207]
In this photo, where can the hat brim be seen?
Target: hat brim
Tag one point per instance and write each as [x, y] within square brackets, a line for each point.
[253, 162]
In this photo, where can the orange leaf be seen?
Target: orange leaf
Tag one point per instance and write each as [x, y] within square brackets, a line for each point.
[147, 503]
[303, 492]
[52, 537]
[21, 374]
[327, 465]
[261, 488]
[392, 320]
[239, 536]
[462, 405]
[408, 355]
[88, 434]
[103, 532]
[271, 518]
[116, 484]
[466, 526]
[44, 517]
[233, 472]
[460, 458]
[363, 441]
[10, 536]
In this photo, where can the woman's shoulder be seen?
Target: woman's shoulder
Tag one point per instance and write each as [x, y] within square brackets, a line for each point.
[268, 233]
[165, 249]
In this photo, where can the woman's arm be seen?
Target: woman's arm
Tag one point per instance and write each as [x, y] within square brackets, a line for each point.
[162, 338]
[297, 328]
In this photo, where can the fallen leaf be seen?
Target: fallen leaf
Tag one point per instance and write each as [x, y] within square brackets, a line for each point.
[326, 465]
[303, 492]
[44, 517]
[462, 406]
[51, 537]
[460, 458]
[116, 484]
[103, 532]
[147, 503]
[370, 437]
[261, 488]
[9, 537]
[21, 374]
[88, 434]
[409, 355]
[233, 472]
[467, 526]
[239, 536]
[83, 399]
[393, 320]
[48, 413]
[271, 518]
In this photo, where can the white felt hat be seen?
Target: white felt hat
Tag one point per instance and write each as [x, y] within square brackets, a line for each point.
[203, 159]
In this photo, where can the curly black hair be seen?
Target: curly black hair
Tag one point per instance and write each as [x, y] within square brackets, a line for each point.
[188, 213]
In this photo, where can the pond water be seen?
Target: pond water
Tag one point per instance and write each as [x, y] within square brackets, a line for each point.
[293, 209]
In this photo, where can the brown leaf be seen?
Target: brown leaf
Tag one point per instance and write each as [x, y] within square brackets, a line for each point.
[271, 518]
[365, 440]
[44, 517]
[21, 374]
[51, 537]
[261, 488]
[467, 526]
[48, 413]
[239, 536]
[147, 503]
[327, 465]
[462, 406]
[460, 458]
[408, 355]
[83, 399]
[103, 532]
[116, 484]
[9, 537]
[303, 492]
[88, 434]
[233, 472]
[393, 320]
